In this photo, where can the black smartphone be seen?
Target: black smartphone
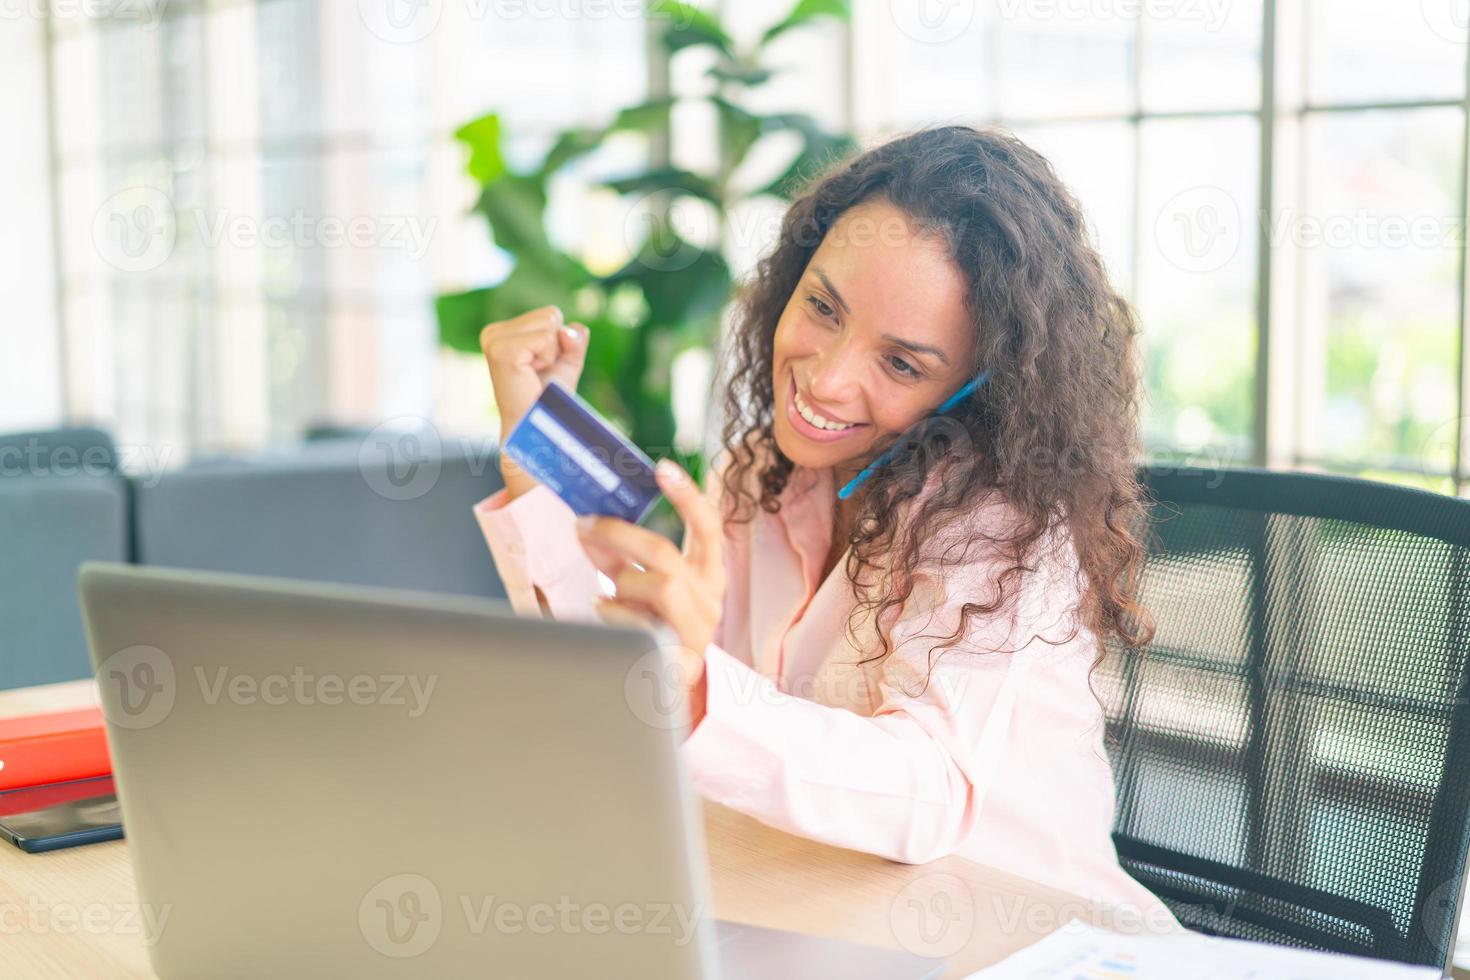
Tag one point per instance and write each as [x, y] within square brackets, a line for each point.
[57, 815]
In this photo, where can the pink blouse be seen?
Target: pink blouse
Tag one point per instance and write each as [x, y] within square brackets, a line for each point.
[999, 758]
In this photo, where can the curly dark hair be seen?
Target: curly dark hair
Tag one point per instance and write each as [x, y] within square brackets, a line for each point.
[1054, 432]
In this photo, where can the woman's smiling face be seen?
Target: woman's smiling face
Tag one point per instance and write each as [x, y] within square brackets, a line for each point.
[874, 337]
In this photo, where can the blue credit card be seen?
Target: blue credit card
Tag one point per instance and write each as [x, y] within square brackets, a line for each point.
[575, 452]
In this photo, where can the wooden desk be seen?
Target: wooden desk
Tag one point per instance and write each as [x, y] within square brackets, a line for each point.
[73, 913]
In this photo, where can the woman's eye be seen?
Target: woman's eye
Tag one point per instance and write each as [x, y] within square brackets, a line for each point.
[822, 308]
[902, 366]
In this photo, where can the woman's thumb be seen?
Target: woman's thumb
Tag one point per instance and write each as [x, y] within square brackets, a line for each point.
[571, 341]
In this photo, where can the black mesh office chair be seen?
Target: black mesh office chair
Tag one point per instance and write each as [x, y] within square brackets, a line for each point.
[1292, 752]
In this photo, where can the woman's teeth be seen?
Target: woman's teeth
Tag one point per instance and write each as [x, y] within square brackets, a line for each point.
[817, 420]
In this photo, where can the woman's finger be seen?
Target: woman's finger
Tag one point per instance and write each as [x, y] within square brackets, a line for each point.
[671, 599]
[535, 331]
[616, 613]
[704, 536]
[572, 339]
[674, 601]
[518, 361]
[606, 561]
[653, 589]
[538, 319]
[540, 340]
[648, 548]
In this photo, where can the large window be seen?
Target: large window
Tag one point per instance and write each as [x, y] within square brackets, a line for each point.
[1372, 205]
[30, 397]
[260, 198]
[1154, 124]
[1279, 185]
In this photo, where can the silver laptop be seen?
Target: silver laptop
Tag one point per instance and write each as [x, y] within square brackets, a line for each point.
[330, 781]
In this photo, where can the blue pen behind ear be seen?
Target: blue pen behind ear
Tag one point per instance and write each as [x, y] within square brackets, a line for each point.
[967, 389]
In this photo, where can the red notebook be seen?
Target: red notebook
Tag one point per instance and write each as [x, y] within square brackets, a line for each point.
[52, 747]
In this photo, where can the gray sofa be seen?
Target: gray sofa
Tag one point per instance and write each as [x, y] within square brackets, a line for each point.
[337, 509]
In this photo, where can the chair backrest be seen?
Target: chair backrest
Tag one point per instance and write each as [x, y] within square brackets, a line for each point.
[61, 503]
[335, 511]
[75, 451]
[1292, 752]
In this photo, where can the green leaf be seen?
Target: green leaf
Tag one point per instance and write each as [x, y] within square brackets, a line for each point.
[681, 282]
[569, 145]
[739, 129]
[654, 424]
[482, 136]
[515, 207]
[645, 117]
[689, 26]
[461, 318]
[609, 349]
[804, 13]
[806, 124]
[740, 74]
[666, 179]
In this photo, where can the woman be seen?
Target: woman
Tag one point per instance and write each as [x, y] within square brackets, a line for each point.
[906, 670]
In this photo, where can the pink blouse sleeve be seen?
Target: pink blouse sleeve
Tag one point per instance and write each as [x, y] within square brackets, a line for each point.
[908, 782]
[533, 540]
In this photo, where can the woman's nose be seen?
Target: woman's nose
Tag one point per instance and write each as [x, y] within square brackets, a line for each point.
[834, 376]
